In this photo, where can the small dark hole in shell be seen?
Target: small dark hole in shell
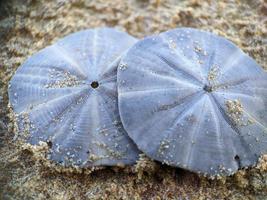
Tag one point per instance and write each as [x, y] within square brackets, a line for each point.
[207, 88]
[237, 159]
[94, 84]
[50, 144]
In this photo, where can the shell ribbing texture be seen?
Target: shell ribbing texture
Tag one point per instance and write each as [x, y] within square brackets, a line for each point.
[66, 95]
[194, 100]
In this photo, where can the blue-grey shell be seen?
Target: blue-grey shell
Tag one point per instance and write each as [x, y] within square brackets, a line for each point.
[194, 100]
[52, 96]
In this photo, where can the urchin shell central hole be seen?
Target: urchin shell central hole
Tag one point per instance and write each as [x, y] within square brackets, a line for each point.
[94, 84]
[207, 88]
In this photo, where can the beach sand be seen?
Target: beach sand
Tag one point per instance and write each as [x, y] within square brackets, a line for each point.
[27, 26]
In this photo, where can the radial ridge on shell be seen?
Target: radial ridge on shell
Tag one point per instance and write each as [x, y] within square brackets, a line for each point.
[66, 95]
[194, 100]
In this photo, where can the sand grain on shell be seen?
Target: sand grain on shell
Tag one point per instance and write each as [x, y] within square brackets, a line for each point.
[235, 110]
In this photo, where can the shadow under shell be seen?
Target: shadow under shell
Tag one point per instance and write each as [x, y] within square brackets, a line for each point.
[66, 95]
[194, 100]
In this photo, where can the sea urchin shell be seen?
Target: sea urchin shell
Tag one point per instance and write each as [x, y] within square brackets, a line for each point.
[66, 95]
[194, 100]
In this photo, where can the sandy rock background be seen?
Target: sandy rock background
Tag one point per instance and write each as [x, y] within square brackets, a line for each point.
[26, 26]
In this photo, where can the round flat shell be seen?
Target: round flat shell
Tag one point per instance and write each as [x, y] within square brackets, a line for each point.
[66, 95]
[194, 100]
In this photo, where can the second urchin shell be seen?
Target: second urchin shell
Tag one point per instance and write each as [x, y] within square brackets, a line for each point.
[194, 100]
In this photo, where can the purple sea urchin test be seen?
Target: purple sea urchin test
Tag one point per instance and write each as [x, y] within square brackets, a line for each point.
[66, 95]
[194, 100]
